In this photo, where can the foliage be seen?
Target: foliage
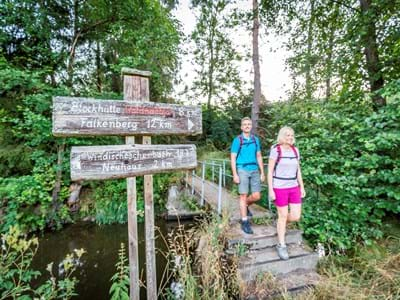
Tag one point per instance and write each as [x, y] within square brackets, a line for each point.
[332, 43]
[241, 249]
[350, 164]
[222, 124]
[69, 48]
[189, 201]
[368, 272]
[109, 203]
[120, 280]
[267, 221]
[216, 278]
[16, 275]
[26, 201]
[215, 56]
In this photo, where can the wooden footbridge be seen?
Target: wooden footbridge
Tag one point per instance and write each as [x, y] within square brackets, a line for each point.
[213, 187]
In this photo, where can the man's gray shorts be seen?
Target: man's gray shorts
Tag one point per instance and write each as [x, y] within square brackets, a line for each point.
[247, 178]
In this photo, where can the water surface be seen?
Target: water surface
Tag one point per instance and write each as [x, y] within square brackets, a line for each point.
[101, 244]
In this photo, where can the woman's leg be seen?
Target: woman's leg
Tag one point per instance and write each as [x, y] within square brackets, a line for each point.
[294, 200]
[281, 224]
[295, 212]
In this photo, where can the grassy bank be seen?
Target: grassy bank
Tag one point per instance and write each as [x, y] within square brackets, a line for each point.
[367, 272]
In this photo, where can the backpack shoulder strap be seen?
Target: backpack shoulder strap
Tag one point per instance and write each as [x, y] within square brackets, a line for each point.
[240, 145]
[240, 140]
[279, 150]
[254, 140]
[295, 152]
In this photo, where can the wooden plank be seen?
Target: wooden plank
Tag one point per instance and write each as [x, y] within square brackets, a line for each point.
[130, 71]
[74, 116]
[121, 161]
[151, 272]
[133, 240]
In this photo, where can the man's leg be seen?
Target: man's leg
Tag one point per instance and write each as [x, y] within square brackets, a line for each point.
[243, 206]
[255, 184]
[254, 197]
[243, 191]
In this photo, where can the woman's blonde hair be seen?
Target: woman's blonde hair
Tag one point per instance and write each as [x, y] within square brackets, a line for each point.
[282, 133]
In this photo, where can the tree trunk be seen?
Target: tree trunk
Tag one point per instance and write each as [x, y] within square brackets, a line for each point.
[374, 69]
[211, 61]
[331, 44]
[71, 58]
[98, 68]
[115, 77]
[309, 51]
[329, 65]
[255, 109]
[57, 185]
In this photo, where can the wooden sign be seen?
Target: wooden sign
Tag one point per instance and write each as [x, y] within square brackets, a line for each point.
[121, 161]
[83, 116]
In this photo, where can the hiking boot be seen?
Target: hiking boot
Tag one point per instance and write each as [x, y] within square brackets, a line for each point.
[282, 252]
[246, 227]
[249, 213]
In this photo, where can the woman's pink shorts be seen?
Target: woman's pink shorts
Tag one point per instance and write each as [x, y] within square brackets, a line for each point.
[289, 195]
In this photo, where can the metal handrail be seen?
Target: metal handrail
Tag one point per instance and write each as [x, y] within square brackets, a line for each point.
[222, 174]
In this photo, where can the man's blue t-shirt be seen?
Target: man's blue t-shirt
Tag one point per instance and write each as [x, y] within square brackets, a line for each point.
[247, 159]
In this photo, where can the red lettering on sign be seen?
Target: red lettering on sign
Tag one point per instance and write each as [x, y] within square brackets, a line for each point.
[134, 110]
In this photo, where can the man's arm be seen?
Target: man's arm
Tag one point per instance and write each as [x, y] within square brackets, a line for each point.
[260, 166]
[233, 167]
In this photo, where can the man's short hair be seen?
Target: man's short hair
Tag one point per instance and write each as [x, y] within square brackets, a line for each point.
[245, 119]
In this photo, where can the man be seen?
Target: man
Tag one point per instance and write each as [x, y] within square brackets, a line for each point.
[247, 169]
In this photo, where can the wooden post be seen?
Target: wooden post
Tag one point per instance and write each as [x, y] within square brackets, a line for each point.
[151, 283]
[136, 115]
[133, 92]
[138, 86]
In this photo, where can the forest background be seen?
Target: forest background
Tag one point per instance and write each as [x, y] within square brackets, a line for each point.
[343, 102]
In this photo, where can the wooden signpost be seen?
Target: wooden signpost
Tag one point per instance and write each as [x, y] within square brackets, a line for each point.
[122, 161]
[134, 115]
[85, 116]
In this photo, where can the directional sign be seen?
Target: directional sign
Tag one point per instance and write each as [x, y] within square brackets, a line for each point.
[121, 161]
[83, 116]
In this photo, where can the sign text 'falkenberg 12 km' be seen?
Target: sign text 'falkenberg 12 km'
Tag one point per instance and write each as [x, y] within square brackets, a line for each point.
[83, 116]
[121, 161]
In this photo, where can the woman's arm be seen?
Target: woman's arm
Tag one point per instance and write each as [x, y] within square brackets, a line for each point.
[271, 166]
[300, 181]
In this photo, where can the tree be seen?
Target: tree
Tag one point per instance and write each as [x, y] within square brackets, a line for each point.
[46, 50]
[255, 109]
[339, 46]
[368, 17]
[217, 75]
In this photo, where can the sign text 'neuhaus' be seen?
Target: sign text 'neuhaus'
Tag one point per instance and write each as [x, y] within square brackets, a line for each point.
[121, 161]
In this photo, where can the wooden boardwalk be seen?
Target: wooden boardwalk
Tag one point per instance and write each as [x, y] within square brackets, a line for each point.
[230, 201]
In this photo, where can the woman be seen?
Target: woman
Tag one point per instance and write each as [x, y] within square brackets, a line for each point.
[285, 183]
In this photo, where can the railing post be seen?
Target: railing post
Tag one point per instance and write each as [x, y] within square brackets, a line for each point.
[220, 190]
[193, 172]
[269, 201]
[224, 171]
[212, 176]
[203, 174]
